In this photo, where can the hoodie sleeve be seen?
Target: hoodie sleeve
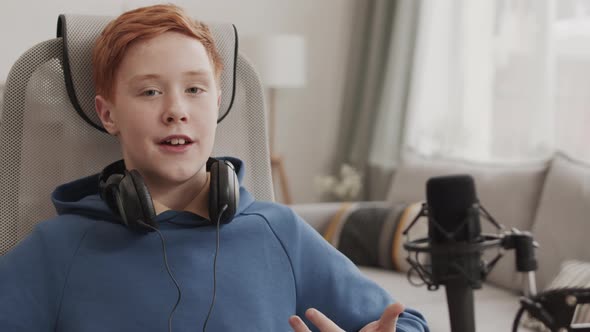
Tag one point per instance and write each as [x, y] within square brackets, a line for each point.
[328, 281]
[32, 277]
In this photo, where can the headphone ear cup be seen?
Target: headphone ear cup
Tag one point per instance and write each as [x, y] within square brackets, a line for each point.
[136, 202]
[109, 191]
[213, 193]
[224, 190]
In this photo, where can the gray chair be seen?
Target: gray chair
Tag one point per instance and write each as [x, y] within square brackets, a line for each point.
[51, 134]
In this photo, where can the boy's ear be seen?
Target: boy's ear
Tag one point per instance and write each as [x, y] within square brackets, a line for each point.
[219, 99]
[104, 110]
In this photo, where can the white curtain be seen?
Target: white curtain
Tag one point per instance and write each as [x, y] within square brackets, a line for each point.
[491, 81]
[571, 36]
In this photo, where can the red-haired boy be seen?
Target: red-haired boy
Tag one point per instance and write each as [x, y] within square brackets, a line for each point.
[157, 76]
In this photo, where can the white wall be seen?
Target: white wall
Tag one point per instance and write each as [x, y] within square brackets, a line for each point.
[307, 117]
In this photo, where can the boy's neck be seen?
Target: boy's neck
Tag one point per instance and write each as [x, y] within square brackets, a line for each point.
[177, 199]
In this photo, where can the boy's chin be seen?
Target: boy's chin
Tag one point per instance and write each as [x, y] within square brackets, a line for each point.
[176, 177]
[172, 173]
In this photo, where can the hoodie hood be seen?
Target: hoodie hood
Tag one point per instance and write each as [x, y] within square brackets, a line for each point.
[82, 197]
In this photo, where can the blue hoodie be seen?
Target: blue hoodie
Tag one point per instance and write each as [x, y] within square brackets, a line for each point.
[83, 272]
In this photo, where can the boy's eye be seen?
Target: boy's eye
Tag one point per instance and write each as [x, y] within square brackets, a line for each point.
[150, 93]
[193, 90]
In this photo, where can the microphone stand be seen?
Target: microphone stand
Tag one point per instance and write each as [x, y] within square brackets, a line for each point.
[460, 304]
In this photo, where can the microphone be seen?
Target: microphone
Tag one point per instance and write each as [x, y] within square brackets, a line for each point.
[453, 224]
[455, 245]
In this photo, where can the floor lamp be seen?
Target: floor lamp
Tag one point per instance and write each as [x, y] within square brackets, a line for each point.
[280, 62]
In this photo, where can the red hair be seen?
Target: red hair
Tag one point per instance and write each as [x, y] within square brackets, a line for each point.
[141, 24]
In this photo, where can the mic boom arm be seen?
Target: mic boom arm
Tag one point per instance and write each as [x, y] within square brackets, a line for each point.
[556, 309]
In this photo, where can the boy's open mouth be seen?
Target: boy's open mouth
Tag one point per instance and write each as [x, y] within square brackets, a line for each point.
[176, 144]
[177, 140]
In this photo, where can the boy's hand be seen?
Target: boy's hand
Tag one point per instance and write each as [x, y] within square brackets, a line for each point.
[386, 323]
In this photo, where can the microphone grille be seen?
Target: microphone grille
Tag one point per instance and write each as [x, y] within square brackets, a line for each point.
[449, 199]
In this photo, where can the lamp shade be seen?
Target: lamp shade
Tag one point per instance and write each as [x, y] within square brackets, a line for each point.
[279, 59]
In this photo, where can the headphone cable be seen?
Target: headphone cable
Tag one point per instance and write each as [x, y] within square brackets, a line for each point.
[214, 268]
[169, 273]
[174, 280]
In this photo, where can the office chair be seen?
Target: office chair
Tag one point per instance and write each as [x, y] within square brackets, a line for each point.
[50, 133]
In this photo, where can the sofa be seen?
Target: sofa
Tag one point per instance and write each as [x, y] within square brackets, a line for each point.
[550, 198]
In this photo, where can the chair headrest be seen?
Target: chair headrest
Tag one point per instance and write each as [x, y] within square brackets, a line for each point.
[79, 33]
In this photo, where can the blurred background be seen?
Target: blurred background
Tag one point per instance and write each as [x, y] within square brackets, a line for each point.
[369, 81]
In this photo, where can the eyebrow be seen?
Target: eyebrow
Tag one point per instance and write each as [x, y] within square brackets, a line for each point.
[200, 72]
[191, 73]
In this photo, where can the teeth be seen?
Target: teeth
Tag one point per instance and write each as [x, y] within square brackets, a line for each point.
[176, 141]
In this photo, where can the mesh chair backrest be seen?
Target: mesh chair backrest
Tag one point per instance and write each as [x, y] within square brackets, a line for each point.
[44, 141]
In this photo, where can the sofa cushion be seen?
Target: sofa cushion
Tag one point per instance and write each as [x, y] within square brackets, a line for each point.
[495, 308]
[573, 273]
[509, 192]
[562, 224]
[319, 215]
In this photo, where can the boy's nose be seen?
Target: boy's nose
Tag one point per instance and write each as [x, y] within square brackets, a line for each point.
[175, 111]
[171, 118]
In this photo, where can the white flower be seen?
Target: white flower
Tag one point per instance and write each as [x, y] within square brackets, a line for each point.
[346, 187]
[324, 183]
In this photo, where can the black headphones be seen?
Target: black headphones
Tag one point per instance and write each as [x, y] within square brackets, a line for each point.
[127, 195]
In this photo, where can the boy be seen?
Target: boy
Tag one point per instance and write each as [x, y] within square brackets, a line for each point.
[157, 78]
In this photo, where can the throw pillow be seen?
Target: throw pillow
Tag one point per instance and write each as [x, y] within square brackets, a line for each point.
[370, 233]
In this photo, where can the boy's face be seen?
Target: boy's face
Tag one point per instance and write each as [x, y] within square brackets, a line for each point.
[165, 87]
